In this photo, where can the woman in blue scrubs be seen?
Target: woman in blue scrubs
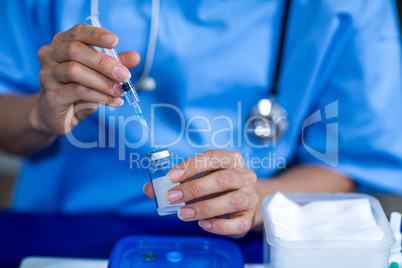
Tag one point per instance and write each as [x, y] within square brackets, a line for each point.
[61, 106]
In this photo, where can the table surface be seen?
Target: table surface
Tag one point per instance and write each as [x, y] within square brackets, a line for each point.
[93, 236]
[35, 262]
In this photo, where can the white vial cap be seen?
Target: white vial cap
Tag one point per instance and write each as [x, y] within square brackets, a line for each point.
[158, 154]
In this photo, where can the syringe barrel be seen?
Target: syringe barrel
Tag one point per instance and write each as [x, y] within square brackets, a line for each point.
[129, 92]
[128, 86]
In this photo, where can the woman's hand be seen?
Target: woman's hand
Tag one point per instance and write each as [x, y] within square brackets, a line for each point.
[74, 73]
[223, 198]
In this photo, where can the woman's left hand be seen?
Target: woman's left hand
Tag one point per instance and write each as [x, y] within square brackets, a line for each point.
[222, 198]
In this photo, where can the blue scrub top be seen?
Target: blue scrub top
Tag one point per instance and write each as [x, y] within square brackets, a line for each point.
[340, 84]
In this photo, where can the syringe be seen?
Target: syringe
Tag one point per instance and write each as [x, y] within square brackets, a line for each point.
[128, 88]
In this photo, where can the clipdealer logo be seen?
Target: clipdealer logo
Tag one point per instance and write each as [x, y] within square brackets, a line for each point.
[269, 161]
[331, 154]
[112, 134]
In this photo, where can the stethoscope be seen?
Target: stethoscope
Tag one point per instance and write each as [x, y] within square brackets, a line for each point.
[267, 121]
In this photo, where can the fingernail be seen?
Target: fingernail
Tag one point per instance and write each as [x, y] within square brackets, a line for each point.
[118, 90]
[185, 213]
[109, 40]
[174, 196]
[205, 224]
[118, 101]
[175, 174]
[121, 73]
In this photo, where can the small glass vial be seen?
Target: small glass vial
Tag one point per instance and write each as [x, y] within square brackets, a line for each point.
[160, 183]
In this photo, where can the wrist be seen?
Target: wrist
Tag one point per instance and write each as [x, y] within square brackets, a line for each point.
[35, 126]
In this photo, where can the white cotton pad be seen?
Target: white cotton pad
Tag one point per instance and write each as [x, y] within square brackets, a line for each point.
[323, 220]
[337, 230]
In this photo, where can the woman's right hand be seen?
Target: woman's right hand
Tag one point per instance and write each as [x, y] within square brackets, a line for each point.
[73, 73]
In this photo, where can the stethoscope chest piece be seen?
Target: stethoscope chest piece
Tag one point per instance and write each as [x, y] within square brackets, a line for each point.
[146, 84]
[268, 121]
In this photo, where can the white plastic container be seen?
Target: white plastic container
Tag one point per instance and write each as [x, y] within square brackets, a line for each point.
[279, 253]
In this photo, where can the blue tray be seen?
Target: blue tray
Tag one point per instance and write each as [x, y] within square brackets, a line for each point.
[173, 251]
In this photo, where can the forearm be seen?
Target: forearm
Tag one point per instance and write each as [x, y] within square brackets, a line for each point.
[18, 119]
[302, 179]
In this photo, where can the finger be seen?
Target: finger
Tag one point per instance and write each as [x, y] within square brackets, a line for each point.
[225, 204]
[130, 59]
[238, 226]
[204, 162]
[148, 190]
[44, 57]
[72, 92]
[96, 60]
[78, 73]
[64, 94]
[89, 35]
[216, 182]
